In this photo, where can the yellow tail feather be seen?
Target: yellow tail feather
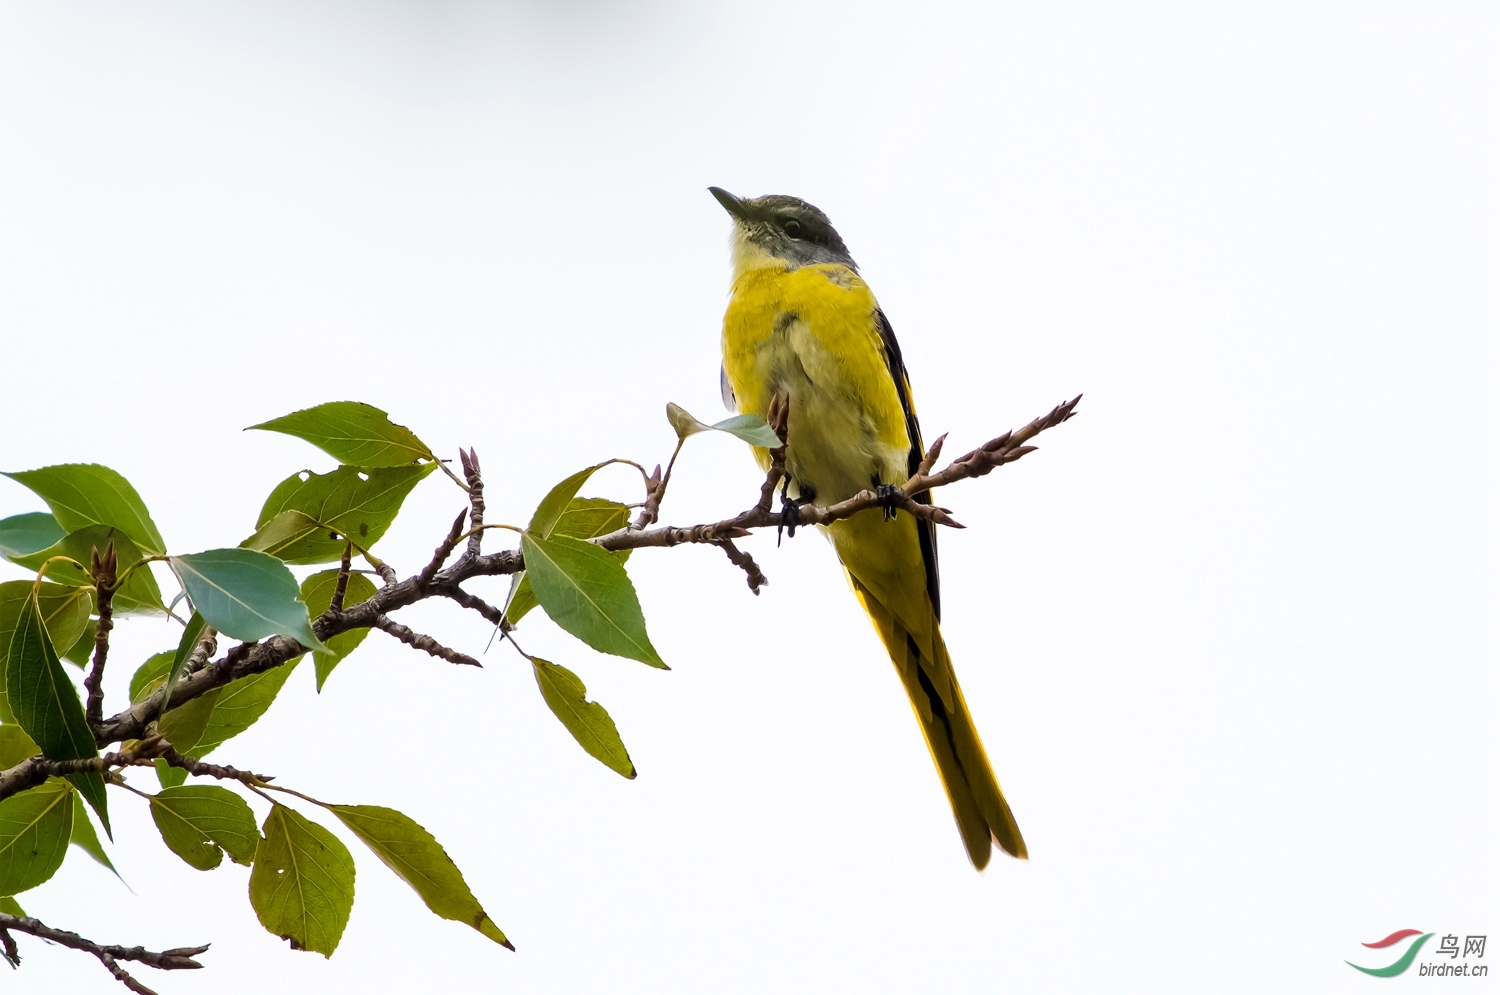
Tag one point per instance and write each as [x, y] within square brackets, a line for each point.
[979, 806]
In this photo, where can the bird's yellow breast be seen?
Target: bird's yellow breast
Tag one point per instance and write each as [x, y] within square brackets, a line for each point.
[812, 334]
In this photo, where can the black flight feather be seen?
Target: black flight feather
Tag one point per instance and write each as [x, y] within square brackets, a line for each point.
[926, 533]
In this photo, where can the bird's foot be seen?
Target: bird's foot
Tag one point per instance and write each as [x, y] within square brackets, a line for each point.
[890, 498]
[791, 511]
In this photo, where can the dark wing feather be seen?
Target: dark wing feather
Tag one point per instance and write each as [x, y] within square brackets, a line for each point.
[926, 534]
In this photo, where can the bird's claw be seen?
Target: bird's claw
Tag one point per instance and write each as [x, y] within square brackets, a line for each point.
[791, 512]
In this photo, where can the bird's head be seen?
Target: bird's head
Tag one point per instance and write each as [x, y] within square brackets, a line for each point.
[777, 229]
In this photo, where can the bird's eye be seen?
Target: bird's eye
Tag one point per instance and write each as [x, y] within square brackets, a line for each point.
[792, 227]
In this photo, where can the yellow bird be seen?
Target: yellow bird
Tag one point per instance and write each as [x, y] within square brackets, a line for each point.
[803, 324]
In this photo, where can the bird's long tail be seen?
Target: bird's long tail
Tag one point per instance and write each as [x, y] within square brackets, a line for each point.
[979, 806]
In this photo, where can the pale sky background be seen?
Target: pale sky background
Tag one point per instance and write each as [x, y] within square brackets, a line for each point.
[1229, 635]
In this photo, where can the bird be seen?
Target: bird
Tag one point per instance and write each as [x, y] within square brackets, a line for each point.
[804, 327]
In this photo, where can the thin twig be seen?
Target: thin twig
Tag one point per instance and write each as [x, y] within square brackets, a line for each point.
[753, 575]
[385, 570]
[443, 465]
[444, 550]
[223, 772]
[424, 643]
[656, 489]
[470, 461]
[933, 451]
[103, 568]
[776, 417]
[341, 585]
[207, 645]
[176, 959]
[997, 452]
[484, 608]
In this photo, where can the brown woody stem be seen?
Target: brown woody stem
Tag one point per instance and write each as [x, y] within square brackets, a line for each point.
[176, 959]
[103, 569]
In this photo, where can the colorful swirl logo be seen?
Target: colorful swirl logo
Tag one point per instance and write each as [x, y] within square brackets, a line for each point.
[1402, 962]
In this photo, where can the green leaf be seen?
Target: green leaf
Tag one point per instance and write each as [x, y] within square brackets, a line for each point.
[15, 746]
[295, 538]
[302, 883]
[11, 907]
[239, 704]
[585, 591]
[46, 704]
[353, 433]
[584, 518]
[84, 837]
[317, 594]
[683, 423]
[169, 776]
[751, 428]
[22, 534]
[202, 822]
[65, 611]
[352, 502]
[521, 599]
[245, 595]
[192, 634]
[184, 725]
[34, 829]
[82, 649]
[198, 726]
[84, 494]
[547, 515]
[138, 595]
[90, 785]
[152, 672]
[589, 723]
[420, 861]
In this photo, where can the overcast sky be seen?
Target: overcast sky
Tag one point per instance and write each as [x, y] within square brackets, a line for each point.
[1229, 635]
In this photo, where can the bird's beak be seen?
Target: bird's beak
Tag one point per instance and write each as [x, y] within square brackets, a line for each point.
[732, 204]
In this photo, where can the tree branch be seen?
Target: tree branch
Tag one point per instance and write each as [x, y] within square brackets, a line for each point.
[255, 658]
[198, 768]
[424, 643]
[997, 452]
[470, 461]
[176, 959]
[656, 489]
[444, 550]
[103, 569]
[208, 643]
[745, 562]
[467, 600]
[341, 583]
[35, 770]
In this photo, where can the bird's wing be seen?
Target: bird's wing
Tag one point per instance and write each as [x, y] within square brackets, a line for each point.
[926, 534]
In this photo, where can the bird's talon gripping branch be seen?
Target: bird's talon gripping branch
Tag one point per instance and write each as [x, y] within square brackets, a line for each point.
[791, 512]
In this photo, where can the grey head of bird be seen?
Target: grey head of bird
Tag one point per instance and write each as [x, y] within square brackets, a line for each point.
[781, 228]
